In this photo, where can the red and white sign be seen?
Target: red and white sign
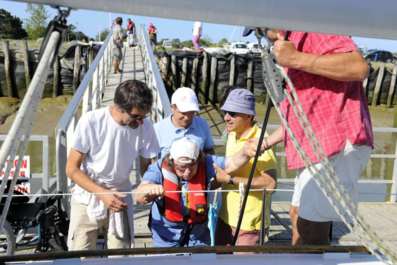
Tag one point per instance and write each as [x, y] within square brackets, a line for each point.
[24, 171]
[23, 182]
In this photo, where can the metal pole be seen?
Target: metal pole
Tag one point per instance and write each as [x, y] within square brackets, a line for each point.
[393, 191]
[27, 110]
[263, 218]
[251, 176]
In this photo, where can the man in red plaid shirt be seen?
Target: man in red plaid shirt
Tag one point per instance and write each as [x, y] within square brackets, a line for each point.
[327, 72]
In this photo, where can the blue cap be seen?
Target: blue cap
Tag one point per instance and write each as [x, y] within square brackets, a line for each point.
[247, 31]
[240, 100]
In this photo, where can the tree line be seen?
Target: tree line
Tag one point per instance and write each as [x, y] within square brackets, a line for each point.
[34, 27]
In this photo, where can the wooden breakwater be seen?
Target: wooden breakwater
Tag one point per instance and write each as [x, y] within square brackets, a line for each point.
[64, 77]
[209, 74]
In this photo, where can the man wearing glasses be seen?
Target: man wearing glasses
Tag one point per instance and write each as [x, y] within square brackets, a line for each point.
[239, 115]
[177, 184]
[184, 122]
[106, 142]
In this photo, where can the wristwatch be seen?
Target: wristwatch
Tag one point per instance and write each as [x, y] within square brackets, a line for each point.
[231, 180]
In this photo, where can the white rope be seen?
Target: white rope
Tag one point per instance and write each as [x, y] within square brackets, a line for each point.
[142, 193]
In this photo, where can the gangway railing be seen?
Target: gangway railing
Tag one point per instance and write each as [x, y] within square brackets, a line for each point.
[161, 105]
[88, 97]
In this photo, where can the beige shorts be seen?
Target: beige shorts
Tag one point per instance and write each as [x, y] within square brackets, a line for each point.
[348, 165]
[83, 232]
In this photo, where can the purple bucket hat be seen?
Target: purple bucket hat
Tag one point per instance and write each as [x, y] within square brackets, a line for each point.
[240, 100]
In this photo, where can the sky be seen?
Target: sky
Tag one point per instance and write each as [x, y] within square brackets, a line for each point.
[92, 22]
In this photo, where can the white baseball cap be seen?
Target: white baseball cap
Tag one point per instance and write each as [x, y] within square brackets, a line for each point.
[185, 99]
[184, 150]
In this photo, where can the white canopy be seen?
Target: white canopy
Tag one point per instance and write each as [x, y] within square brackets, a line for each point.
[349, 17]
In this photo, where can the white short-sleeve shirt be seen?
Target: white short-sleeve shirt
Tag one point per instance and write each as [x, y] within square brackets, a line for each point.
[111, 148]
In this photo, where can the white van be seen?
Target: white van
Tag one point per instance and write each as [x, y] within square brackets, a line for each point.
[238, 47]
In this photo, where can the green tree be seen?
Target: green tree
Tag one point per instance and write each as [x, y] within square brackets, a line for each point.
[36, 24]
[11, 26]
[187, 44]
[222, 42]
[101, 36]
[206, 42]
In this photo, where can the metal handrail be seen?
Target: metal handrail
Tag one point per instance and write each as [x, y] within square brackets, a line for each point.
[90, 93]
[161, 107]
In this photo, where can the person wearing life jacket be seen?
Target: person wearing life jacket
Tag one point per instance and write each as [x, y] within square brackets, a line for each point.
[177, 187]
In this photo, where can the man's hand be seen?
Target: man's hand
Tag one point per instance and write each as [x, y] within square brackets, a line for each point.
[113, 200]
[153, 192]
[221, 175]
[285, 52]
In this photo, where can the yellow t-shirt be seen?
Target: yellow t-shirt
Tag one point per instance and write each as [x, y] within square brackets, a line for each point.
[230, 210]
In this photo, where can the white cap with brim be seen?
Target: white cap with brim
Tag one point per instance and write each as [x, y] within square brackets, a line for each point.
[185, 99]
[184, 150]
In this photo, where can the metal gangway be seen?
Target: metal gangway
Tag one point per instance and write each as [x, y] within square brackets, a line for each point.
[96, 90]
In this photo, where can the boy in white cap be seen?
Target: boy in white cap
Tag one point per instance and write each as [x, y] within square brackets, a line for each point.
[184, 122]
[179, 216]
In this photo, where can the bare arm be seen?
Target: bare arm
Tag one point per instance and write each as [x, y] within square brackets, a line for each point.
[73, 171]
[147, 192]
[349, 66]
[266, 179]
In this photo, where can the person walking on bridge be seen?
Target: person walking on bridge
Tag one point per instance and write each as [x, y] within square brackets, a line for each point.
[327, 72]
[106, 142]
[118, 39]
[183, 122]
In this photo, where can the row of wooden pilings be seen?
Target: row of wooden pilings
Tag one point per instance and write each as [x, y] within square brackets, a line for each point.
[210, 74]
[29, 60]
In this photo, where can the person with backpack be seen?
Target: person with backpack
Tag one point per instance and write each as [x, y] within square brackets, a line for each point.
[118, 39]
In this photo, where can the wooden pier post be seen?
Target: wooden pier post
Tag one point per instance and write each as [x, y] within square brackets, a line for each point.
[184, 77]
[26, 61]
[56, 80]
[9, 71]
[213, 80]
[204, 72]
[250, 75]
[232, 72]
[195, 65]
[76, 68]
[174, 71]
[378, 84]
[392, 87]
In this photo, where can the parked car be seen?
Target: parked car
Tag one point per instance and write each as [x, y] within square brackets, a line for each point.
[380, 56]
[239, 47]
[254, 47]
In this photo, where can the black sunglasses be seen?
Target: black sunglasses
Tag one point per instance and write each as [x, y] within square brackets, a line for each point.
[231, 113]
[137, 117]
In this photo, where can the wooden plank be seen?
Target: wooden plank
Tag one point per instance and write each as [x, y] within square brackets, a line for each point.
[174, 71]
[250, 75]
[56, 85]
[204, 83]
[26, 62]
[392, 87]
[378, 84]
[184, 72]
[9, 71]
[195, 82]
[76, 68]
[232, 72]
[213, 80]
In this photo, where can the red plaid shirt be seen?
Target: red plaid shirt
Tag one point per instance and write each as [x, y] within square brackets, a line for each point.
[337, 110]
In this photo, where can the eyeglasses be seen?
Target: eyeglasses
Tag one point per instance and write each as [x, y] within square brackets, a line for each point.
[231, 113]
[185, 166]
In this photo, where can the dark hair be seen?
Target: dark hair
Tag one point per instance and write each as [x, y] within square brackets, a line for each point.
[133, 94]
[118, 20]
